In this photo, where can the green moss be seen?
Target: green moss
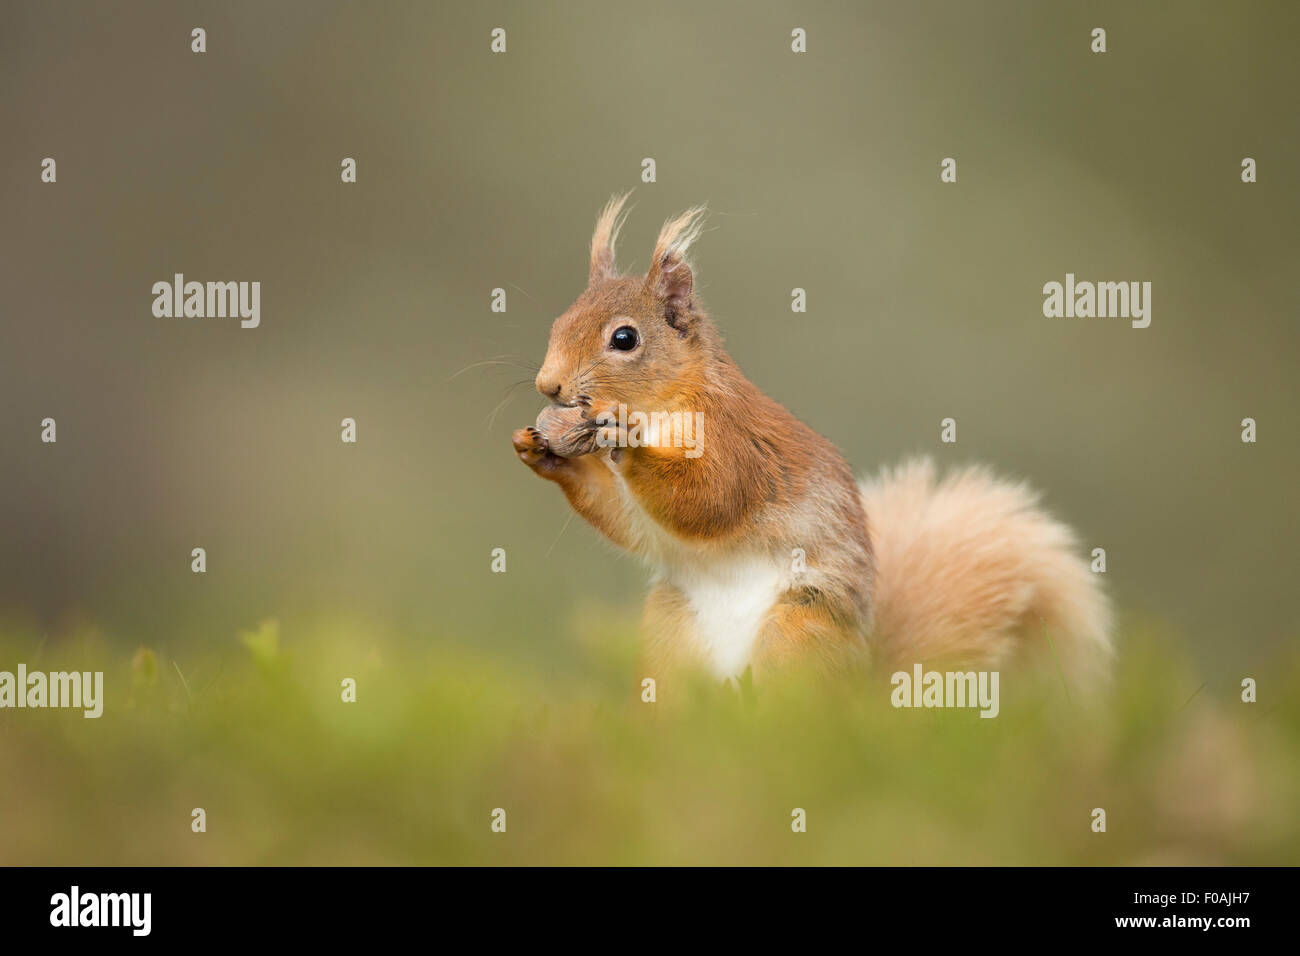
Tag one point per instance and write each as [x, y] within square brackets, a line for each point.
[257, 734]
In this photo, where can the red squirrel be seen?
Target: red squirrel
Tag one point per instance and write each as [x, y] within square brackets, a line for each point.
[766, 553]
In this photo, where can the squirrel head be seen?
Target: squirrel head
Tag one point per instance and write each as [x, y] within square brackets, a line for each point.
[630, 340]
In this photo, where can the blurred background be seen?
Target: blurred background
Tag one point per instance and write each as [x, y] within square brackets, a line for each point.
[478, 171]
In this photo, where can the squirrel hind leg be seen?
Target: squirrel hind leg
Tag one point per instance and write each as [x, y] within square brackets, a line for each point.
[970, 569]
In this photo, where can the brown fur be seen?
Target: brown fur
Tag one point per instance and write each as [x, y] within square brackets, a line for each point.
[968, 569]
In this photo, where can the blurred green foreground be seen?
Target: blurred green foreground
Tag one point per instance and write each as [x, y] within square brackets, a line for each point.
[258, 736]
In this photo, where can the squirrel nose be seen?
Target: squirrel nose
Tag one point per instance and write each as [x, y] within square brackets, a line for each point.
[548, 387]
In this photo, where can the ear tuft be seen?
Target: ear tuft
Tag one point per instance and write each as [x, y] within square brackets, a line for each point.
[602, 240]
[670, 278]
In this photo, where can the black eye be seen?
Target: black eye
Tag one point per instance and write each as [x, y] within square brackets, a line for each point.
[624, 338]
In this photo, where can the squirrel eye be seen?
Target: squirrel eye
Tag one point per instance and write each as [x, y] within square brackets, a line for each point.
[624, 338]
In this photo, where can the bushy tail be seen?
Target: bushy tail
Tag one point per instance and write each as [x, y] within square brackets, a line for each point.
[970, 570]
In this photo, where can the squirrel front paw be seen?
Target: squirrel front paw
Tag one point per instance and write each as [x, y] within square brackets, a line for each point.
[531, 446]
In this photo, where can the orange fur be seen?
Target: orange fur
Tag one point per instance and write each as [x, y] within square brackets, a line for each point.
[761, 547]
[971, 570]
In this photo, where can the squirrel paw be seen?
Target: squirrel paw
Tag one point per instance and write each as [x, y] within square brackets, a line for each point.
[530, 444]
[534, 450]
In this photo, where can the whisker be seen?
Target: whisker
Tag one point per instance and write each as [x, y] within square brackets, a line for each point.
[514, 385]
[564, 527]
[594, 365]
[492, 416]
[497, 360]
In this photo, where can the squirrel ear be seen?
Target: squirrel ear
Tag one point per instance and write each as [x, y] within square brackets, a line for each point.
[670, 279]
[603, 239]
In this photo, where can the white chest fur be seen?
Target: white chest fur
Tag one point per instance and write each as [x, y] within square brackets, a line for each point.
[729, 594]
[730, 598]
